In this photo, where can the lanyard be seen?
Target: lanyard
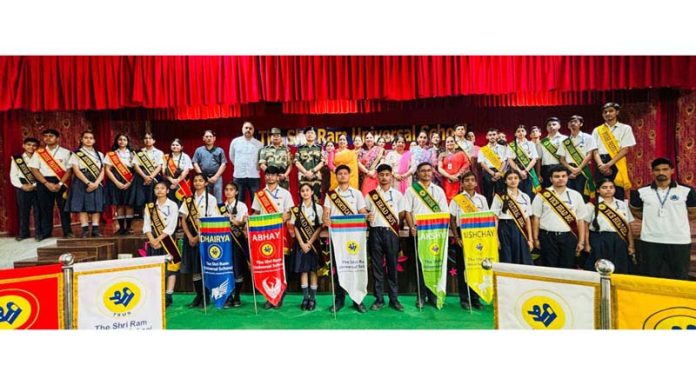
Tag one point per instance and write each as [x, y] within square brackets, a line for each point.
[662, 200]
[275, 196]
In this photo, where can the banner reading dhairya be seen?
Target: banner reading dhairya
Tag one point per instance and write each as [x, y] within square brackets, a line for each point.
[349, 240]
[267, 262]
[432, 252]
[31, 298]
[653, 303]
[119, 294]
[536, 297]
[216, 258]
[479, 242]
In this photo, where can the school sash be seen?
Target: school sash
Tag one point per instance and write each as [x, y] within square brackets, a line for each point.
[184, 189]
[266, 202]
[613, 147]
[193, 214]
[145, 161]
[618, 222]
[465, 203]
[425, 196]
[385, 210]
[340, 203]
[167, 242]
[237, 232]
[517, 215]
[559, 207]
[589, 188]
[22, 166]
[89, 163]
[52, 163]
[121, 169]
[492, 157]
[306, 229]
[546, 142]
[524, 161]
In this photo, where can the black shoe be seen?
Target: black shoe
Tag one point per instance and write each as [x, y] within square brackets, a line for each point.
[236, 302]
[68, 235]
[336, 308]
[420, 303]
[311, 305]
[377, 305]
[465, 305]
[396, 305]
[305, 303]
[42, 237]
[360, 308]
[38, 238]
[168, 300]
[19, 239]
[477, 305]
[96, 234]
[228, 304]
[268, 305]
[85, 234]
[197, 301]
[121, 232]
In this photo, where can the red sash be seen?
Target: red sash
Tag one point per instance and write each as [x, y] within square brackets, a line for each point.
[266, 202]
[123, 171]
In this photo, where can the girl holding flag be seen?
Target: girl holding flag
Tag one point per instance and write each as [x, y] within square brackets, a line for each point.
[609, 231]
[175, 169]
[307, 218]
[86, 191]
[120, 190]
[514, 209]
[239, 214]
[201, 204]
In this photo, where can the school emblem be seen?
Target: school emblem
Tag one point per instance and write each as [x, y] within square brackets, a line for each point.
[267, 249]
[543, 310]
[19, 309]
[333, 196]
[122, 297]
[602, 206]
[479, 246]
[352, 247]
[422, 193]
[673, 318]
[434, 249]
[215, 252]
[20, 160]
[375, 196]
[150, 205]
[547, 193]
[674, 197]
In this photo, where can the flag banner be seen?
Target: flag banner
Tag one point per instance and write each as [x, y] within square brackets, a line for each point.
[535, 297]
[479, 242]
[31, 298]
[432, 252]
[216, 258]
[349, 240]
[267, 262]
[119, 294]
[652, 303]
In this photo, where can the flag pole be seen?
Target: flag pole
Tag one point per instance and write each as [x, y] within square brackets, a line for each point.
[205, 295]
[415, 254]
[251, 269]
[466, 279]
[333, 266]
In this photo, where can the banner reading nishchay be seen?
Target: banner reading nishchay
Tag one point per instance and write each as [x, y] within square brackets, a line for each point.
[479, 241]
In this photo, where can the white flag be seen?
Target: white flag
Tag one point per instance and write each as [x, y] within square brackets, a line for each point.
[534, 297]
[349, 241]
[119, 294]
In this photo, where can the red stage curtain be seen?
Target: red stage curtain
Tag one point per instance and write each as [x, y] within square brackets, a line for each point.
[41, 83]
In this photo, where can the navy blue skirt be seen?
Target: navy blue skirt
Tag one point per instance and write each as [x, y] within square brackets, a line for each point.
[191, 258]
[143, 194]
[513, 245]
[81, 201]
[303, 262]
[608, 245]
[117, 197]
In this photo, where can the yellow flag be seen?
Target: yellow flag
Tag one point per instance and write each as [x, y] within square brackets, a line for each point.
[479, 241]
[653, 303]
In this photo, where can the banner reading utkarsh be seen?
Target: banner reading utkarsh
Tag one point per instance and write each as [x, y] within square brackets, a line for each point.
[432, 234]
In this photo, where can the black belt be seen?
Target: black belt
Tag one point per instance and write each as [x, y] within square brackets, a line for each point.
[556, 233]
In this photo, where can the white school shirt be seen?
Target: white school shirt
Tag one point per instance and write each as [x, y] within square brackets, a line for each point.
[604, 224]
[522, 200]
[96, 156]
[548, 219]
[200, 202]
[353, 198]
[669, 225]
[529, 149]
[280, 196]
[16, 173]
[391, 197]
[183, 161]
[60, 154]
[503, 153]
[478, 200]
[242, 209]
[584, 142]
[548, 159]
[622, 132]
[308, 211]
[414, 204]
[169, 212]
[155, 155]
[126, 158]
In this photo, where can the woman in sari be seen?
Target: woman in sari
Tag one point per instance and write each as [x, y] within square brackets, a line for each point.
[369, 160]
[344, 155]
[400, 161]
[452, 164]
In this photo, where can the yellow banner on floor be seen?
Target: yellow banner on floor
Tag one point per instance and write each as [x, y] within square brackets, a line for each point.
[653, 303]
[479, 242]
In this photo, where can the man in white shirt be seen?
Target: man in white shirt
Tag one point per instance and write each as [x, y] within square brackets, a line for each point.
[244, 156]
[46, 165]
[575, 154]
[666, 209]
[493, 159]
[384, 205]
[528, 149]
[614, 140]
[24, 182]
[557, 223]
[549, 149]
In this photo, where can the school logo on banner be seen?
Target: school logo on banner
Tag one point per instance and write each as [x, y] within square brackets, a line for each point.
[31, 298]
[543, 309]
[432, 252]
[119, 294]
[216, 254]
[479, 242]
[349, 238]
[653, 303]
[267, 262]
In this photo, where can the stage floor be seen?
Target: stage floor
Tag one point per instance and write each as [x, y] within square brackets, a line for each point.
[452, 316]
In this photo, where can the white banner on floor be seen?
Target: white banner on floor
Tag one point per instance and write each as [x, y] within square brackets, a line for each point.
[534, 297]
[119, 294]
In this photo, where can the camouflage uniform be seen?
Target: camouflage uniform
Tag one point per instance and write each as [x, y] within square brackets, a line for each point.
[309, 157]
[276, 156]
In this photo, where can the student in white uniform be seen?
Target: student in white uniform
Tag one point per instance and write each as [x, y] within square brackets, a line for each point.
[148, 167]
[527, 169]
[86, 195]
[24, 183]
[613, 137]
[120, 191]
[238, 213]
[549, 149]
[575, 154]
[493, 159]
[514, 209]
[306, 251]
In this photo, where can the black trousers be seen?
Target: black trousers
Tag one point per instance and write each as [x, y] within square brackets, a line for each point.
[27, 201]
[383, 245]
[48, 200]
[490, 187]
[558, 249]
[338, 290]
[578, 184]
[250, 185]
[546, 175]
[461, 278]
[664, 260]
[620, 193]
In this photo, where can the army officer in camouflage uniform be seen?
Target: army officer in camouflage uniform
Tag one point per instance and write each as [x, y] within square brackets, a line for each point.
[309, 162]
[275, 154]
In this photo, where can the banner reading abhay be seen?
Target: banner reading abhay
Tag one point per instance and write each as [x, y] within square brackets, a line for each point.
[216, 258]
[31, 298]
[349, 240]
[479, 241]
[432, 252]
[267, 262]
